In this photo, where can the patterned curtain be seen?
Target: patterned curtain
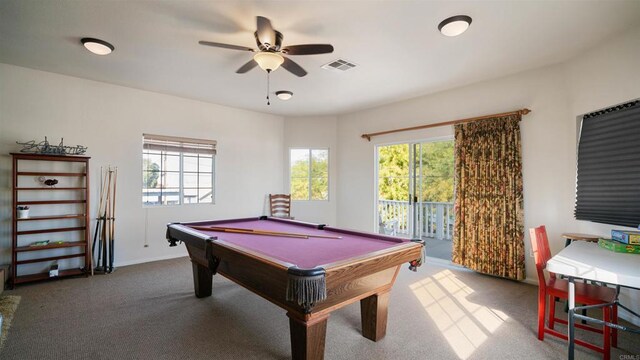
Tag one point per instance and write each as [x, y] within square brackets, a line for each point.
[489, 230]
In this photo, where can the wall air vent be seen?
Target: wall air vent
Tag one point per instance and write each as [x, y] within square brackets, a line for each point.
[339, 65]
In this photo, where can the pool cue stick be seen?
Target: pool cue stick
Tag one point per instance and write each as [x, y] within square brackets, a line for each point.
[113, 221]
[265, 232]
[245, 231]
[109, 221]
[100, 221]
[103, 221]
[95, 234]
[106, 227]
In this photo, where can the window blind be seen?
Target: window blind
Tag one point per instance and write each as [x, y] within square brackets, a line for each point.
[178, 144]
[608, 175]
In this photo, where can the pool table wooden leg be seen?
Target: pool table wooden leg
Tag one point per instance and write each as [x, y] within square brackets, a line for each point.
[373, 311]
[202, 280]
[307, 337]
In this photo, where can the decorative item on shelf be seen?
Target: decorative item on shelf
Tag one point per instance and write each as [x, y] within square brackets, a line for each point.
[23, 211]
[40, 243]
[47, 182]
[53, 270]
[44, 147]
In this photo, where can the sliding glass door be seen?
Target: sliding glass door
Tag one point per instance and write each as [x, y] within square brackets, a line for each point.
[433, 190]
[393, 184]
[415, 190]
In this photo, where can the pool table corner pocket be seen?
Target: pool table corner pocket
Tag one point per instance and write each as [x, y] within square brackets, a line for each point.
[306, 287]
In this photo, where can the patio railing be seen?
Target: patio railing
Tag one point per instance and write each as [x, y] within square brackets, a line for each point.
[435, 219]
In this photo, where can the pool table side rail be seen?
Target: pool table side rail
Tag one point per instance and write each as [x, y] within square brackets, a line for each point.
[372, 256]
[366, 234]
[294, 222]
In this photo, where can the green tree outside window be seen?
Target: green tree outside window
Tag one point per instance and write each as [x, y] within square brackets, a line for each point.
[309, 174]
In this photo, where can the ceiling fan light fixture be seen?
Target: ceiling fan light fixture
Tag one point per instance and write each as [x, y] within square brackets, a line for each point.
[97, 46]
[454, 25]
[268, 61]
[284, 94]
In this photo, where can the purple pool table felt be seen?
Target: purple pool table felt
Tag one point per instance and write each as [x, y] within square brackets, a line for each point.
[305, 253]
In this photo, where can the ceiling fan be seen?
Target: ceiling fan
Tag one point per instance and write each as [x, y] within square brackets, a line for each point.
[269, 53]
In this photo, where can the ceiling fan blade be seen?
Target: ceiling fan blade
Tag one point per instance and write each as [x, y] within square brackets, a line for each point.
[308, 49]
[226, 46]
[265, 32]
[246, 67]
[293, 67]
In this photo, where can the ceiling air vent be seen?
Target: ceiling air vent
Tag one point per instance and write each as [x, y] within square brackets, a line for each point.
[339, 65]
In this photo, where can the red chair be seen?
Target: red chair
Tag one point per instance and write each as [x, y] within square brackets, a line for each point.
[553, 288]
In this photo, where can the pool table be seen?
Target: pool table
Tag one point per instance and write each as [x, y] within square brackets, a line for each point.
[307, 269]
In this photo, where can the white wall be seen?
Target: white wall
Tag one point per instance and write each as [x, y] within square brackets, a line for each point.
[313, 132]
[606, 76]
[110, 120]
[556, 95]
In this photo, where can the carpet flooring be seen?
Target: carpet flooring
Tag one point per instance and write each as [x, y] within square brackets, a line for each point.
[439, 248]
[149, 311]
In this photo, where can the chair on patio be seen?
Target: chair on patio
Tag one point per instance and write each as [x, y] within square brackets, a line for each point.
[388, 227]
[280, 205]
[554, 287]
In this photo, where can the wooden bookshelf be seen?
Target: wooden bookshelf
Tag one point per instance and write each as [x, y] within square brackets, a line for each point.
[76, 222]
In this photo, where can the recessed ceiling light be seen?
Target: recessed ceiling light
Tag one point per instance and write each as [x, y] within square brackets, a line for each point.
[284, 94]
[454, 25]
[97, 46]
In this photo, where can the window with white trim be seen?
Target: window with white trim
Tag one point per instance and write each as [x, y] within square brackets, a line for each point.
[309, 174]
[177, 171]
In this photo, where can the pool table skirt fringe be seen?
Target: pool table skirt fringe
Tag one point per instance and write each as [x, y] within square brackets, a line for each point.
[306, 290]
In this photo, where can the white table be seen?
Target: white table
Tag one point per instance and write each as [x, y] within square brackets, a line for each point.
[585, 260]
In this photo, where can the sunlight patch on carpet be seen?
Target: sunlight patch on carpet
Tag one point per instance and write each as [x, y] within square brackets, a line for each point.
[8, 306]
[465, 325]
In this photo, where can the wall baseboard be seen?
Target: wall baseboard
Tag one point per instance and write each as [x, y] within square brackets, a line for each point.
[146, 260]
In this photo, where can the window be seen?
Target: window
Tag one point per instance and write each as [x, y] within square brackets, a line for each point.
[309, 174]
[177, 170]
[609, 166]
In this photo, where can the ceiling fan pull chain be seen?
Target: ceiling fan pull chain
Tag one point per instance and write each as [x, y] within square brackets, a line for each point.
[268, 73]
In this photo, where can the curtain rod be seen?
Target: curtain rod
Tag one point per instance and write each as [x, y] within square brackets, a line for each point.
[452, 122]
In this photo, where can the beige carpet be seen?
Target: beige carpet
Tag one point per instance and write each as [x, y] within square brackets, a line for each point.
[8, 307]
[149, 311]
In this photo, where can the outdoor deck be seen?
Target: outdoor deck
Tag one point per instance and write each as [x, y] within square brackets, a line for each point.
[435, 223]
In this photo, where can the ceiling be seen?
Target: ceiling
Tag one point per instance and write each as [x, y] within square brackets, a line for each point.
[396, 45]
